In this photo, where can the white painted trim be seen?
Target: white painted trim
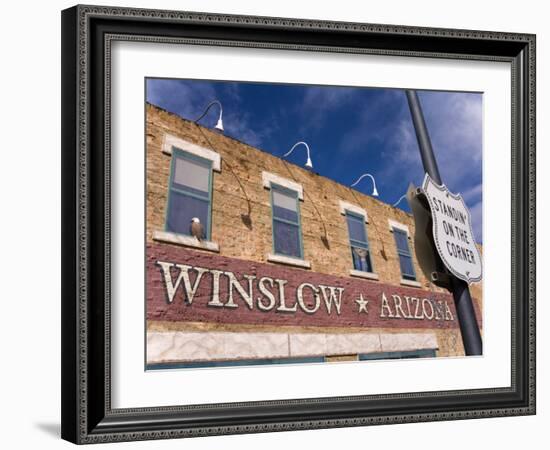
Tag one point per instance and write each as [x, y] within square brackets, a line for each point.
[346, 206]
[400, 226]
[187, 241]
[402, 342]
[412, 283]
[170, 141]
[268, 178]
[193, 346]
[332, 344]
[361, 274]
[271, 257]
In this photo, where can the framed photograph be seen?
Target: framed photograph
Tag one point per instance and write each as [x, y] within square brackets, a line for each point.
[281, 224]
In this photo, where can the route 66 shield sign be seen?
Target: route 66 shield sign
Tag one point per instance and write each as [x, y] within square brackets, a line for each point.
[452, 232]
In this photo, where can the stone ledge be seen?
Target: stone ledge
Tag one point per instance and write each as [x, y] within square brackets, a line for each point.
[361, 274]
[411, 283]
[186, 241]
[184, 346]
[171, 141]
[288, 260]
[400, 226]
[402, 342]
[268, 178]
[346, 206]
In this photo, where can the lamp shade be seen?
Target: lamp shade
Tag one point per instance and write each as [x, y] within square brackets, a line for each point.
[219, 125]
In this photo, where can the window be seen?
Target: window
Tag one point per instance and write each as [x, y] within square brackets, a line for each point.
[358, 242]
[404, 253]
[190, 193]
[287, 233]
[423, 353]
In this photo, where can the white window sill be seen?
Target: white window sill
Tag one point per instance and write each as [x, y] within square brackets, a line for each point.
[289, 260]
[361, 274]
[186, 241]
[412, 283]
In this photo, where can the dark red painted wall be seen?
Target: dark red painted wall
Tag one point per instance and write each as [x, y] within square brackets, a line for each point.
[158, 308]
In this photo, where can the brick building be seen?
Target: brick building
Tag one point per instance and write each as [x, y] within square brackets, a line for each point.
[290, 267]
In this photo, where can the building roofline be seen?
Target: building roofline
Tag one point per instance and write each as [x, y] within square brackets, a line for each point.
[275, 156]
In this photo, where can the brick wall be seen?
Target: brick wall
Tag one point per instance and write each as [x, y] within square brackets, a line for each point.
[241, 209]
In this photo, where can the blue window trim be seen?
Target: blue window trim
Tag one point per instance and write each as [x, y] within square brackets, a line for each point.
[408, 254]
[423, 353]
[355, 243]
[233, 363]
[179, 153]
[284, 190]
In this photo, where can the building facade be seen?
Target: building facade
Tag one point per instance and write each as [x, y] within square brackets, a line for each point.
[284, 265]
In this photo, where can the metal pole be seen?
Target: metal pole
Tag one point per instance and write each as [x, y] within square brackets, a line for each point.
[471, 336]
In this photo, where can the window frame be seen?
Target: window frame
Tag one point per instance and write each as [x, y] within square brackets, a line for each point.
[180, 153]
[407, 277]
[285, 190]
[400, 354]
[351, 241]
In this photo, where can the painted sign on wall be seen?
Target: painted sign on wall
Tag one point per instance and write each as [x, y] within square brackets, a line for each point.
[185, 285]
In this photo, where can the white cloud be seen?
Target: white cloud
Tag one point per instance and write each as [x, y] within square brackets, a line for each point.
[477, 221]
[238, 125]
[473, 194]
[180, 97]
[327, 97]
[188, 99]
[455, 124]
[318, 102]
[404, 148]
[357, 140]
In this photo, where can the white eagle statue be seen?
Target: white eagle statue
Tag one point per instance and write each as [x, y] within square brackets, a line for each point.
[196, 229]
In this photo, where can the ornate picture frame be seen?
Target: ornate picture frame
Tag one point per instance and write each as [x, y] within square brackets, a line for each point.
[88, 33]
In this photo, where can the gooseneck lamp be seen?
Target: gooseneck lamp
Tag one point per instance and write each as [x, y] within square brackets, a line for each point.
[374, 191]
[308, 164]
[219, 125]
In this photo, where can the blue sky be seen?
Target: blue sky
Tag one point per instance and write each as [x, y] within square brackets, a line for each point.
[350, 131]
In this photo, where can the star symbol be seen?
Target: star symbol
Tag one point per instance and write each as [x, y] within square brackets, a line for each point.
[362, 304]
